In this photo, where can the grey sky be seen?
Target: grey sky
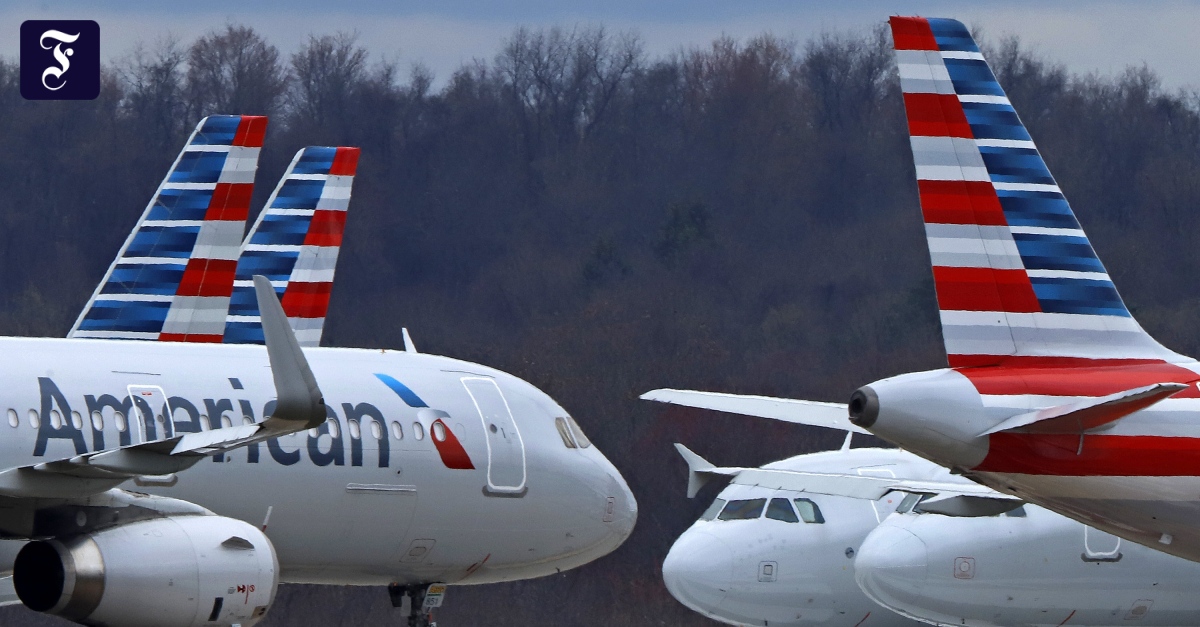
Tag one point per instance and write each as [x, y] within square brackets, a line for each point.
[1102, 37]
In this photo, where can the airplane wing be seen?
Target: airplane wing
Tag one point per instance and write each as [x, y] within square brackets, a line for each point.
[1090, 413]
[942, 497]
[812, 413]
[299, 405]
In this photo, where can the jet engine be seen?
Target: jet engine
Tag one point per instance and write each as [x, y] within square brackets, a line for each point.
[174, 571]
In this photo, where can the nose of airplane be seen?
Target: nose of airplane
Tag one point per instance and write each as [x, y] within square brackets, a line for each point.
[698, 571]
[892, 566]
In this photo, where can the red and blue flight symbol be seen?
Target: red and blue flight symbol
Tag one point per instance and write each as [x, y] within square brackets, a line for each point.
[453, 454]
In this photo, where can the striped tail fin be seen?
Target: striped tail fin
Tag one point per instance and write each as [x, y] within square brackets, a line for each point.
[1015, 274]
[295, 244]
[173, 278]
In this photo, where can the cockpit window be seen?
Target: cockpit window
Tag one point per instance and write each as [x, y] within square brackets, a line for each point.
[713, 509]
[781, 509]
[743, 510]
[809, 512]
[579, 436]
[1019, 512]
[564, 432]
[910, 501]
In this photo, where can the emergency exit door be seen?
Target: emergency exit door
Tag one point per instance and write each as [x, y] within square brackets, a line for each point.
[506, 450]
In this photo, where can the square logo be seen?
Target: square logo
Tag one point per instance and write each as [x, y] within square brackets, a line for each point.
[60, 60]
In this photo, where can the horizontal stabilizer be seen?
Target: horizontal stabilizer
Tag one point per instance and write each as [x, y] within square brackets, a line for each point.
[700, 470]
[812, 413]
[951, 499]
[1088, 414]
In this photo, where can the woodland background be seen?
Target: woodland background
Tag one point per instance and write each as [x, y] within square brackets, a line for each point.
[739, 216]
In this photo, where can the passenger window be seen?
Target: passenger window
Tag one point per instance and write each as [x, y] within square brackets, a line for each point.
[809, 512]
[376, 430]
[13, 420]
[98, 421]
[35, 421]
[564, 432]
[780, 509]
[55, 419]
[354, 429]
[397, 430]
[226, 421]
[122, 424]
[76, 421]
[743, 510]
[713, 510]
[578, 433]
[419, 431]
[438, 430]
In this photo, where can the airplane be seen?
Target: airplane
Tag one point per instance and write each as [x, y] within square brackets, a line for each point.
[1027, 567]
[330, 465]
[933, 547]
[1053, 393]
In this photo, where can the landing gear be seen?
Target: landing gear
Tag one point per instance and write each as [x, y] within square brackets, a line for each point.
[416, 602]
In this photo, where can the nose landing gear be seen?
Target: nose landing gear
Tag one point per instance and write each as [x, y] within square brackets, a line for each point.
[416, 602]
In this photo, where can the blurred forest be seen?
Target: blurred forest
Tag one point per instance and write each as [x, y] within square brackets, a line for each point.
[741, 216]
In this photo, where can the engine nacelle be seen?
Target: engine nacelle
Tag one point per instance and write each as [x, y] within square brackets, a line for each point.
[177, 571]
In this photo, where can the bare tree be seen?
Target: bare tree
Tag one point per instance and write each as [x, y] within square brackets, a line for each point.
[234, 71]
[326, 71]
[154, 97]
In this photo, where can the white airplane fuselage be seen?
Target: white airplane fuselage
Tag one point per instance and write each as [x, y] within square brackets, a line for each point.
[1040, 569]
[716, 567]
[354, 503]
[1035, 569]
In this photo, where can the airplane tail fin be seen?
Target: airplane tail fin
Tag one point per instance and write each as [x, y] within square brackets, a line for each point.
[1015, 274]
[295, 244]
[173, 277]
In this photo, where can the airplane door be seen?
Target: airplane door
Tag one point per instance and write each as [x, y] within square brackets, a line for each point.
[153, 413]
[506, 450]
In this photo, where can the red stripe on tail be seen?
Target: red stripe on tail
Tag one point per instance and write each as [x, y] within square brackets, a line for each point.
[230, 201]
[936, 115]
[984, 289]
[345, 162]
[250, 131]
[912, 33]
[961, 202]
[306, 300]
[207, 277]
[326, 228]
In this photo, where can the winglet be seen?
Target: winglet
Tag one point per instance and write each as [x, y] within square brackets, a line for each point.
[700, 470]
[297, 396]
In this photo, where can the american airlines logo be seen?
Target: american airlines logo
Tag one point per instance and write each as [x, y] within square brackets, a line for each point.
[60, 60]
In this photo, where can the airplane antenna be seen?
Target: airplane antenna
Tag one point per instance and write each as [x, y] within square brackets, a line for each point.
[409, 347]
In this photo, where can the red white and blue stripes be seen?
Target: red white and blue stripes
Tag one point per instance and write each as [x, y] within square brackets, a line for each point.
[173, 278]
[295, 244]
[1014, 272]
